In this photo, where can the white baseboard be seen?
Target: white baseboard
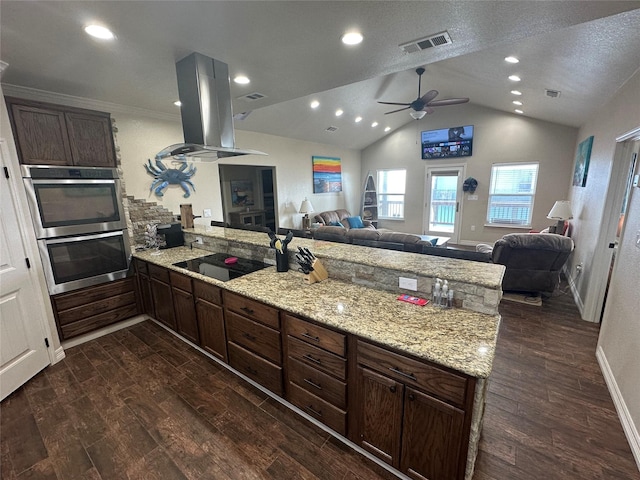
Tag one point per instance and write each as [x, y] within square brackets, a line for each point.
[629, 428]
[59, 354]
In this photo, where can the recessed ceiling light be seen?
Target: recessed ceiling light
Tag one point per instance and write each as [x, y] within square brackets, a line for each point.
[241, 79]
[177, 103]
[517, 110]
[339, 112]
[517, 102]
[386, 129]
[516, 92]
[315, 104]
[358, 119]
[98, 31]
[352, 38]
[511, 60]
[514, 78]
[374, 124]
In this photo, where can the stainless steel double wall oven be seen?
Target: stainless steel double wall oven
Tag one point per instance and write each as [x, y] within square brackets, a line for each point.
[79, 221]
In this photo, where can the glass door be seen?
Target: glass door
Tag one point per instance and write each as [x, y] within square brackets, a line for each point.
[442, 209]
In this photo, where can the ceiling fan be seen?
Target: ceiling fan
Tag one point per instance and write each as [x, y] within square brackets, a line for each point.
[422, 105]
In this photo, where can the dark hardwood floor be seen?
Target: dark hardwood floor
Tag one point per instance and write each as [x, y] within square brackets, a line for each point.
[140, 404]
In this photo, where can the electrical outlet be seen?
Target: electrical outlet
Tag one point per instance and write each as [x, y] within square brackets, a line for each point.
[408, 283]
[206, 213]
[199, 240]
[473, 228]
[472, 197]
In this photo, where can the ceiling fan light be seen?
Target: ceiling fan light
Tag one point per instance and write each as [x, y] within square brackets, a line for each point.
[511, 60]
[417, 115]
[352, 38]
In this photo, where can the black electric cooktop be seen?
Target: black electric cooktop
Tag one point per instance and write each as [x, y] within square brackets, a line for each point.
[214, 266]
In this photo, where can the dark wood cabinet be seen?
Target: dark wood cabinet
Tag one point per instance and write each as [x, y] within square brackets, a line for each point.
[402, 421]
[184, 307]
[162, 297]
[91, 308]
[48, 134]
[145, 297]
[210, 317]
[253, 340]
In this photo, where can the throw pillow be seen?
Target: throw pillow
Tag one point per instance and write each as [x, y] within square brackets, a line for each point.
[355, 222]
[336, 224]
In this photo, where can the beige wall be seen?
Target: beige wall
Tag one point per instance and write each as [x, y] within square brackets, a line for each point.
[619, 341]
[141, 137]
[498, 138]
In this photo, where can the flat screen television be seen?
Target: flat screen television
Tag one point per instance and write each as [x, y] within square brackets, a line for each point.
[447, 142]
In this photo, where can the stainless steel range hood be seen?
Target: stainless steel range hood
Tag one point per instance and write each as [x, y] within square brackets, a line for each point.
[207, 117]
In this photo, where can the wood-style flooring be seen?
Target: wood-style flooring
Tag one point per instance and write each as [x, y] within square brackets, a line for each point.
[141, 404]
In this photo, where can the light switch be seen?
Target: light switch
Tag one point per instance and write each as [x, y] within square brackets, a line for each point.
[408, 283]
[206, 213]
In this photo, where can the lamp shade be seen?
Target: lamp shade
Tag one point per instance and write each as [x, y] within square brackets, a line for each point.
[306, 206]
[417, 115]
[561, 210]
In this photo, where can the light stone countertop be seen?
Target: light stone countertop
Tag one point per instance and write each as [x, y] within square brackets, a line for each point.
[487, 275]
[460, 339]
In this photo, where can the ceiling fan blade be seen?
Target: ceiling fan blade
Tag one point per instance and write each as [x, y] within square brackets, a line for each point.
[394, 103]
[447, 101]
[399, 110]
[430, 95]
[428, 109]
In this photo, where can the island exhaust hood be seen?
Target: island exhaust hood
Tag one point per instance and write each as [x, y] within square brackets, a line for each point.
[207, 116]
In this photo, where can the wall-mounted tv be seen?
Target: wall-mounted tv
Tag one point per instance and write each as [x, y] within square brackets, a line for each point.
[447, 142]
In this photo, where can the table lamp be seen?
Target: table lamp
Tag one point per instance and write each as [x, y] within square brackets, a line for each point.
[561, 211]
[306, 208]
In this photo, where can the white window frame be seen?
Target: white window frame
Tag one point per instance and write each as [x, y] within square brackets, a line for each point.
[382, 194]
[531, 193]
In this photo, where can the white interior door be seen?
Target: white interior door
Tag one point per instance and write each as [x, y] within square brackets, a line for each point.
[443, 190]
[23, 352]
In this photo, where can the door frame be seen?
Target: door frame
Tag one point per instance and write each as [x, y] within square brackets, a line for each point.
[36, 272]
[461, 169]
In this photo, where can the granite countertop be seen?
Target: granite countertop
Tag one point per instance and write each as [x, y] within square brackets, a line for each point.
[457, 338]
[486, 275]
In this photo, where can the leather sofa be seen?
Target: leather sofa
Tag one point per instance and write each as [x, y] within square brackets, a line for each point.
[533, 261]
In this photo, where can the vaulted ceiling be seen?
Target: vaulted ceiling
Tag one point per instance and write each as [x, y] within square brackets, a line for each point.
[292, 53]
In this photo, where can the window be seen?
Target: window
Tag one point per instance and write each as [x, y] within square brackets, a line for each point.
[511, 194]
[391, 188]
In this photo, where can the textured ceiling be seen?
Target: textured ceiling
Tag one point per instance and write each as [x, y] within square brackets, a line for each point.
[292, 53]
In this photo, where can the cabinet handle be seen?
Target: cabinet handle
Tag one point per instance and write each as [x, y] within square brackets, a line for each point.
[311, 359]
[400, 372]
[313, 384]
[251, 371]
[412, 397]
[247, 310]
[313, 410]
[392, 389]
[311, 337]
[248, 336]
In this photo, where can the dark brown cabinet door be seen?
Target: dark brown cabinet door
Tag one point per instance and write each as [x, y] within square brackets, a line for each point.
[431, 438]
[163, 303]
[91, 140]
[211, 327]
[146, 300]
[380, 415]
[41, 135]
[185, 310]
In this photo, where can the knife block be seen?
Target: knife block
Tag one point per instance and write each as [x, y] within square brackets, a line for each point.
[318, 274]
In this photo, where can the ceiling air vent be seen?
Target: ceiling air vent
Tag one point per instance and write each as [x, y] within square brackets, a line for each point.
[251, 97]
[436, 40]
[552, 93]
[331, 129]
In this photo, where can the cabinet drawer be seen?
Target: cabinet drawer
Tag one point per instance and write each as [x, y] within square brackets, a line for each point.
[256, 368]
[331, 416]
[88, 295]
[316, 335]
[180, 281]
[320, 384]
[95, 308]
[254, 336]
[434, 380]
[95, 322]
[208, 292]
[317, 358]
[252, 309]
[159, 273]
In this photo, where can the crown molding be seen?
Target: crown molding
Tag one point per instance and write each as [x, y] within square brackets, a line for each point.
[81, 102]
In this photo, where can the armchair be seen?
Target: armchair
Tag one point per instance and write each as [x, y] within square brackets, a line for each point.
[533, 261]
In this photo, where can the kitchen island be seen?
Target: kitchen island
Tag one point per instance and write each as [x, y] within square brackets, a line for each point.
[436, 359]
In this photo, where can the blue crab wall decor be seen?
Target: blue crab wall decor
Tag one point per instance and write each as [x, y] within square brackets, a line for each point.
[163, 177]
